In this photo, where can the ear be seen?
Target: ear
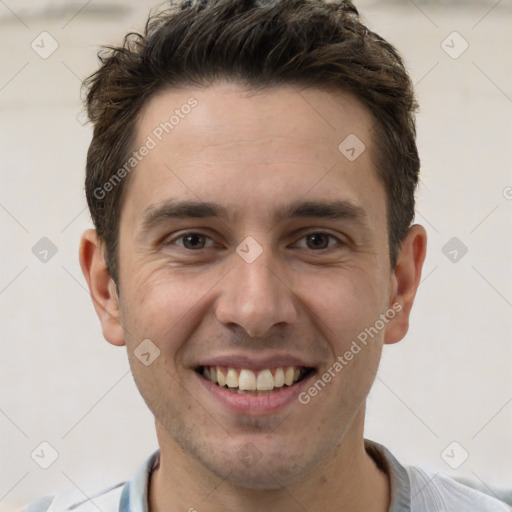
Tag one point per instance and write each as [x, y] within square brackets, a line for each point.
[405, 281]
[101, 286]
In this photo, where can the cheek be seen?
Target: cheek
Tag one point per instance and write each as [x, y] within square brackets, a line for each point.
[345, 303]
[353, 305]
[165, 305]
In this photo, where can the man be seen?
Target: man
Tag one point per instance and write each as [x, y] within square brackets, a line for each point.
[251, 180]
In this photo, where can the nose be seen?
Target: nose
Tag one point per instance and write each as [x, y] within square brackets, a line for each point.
[255, 297]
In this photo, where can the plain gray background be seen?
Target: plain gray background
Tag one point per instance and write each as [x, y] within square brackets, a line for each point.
[448, 381]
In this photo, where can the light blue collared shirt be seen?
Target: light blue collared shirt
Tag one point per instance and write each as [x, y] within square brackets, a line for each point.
[412, 489]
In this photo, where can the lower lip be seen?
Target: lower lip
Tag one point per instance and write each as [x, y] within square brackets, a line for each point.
[255, 405]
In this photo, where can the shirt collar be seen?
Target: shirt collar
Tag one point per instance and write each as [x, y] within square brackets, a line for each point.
[400, 486]
[134, 497]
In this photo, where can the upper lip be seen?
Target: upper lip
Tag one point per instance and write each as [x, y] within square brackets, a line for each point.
[255, 363]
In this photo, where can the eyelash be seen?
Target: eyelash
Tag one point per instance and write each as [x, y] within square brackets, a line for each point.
[188, 233]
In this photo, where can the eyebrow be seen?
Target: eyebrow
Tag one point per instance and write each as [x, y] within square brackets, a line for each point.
[322, 210]
[171, 209]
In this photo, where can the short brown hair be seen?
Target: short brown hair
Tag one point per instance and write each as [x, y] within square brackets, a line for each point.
[261, 44]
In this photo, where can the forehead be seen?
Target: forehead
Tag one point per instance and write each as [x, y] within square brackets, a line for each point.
[226, 113]
[252, 149]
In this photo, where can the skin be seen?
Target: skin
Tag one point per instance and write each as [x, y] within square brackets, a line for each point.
[254, 153]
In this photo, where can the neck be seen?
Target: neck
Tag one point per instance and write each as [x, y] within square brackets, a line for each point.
[347, 480]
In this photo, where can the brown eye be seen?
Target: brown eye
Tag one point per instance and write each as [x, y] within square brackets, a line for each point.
[193, 241]
[317, 240]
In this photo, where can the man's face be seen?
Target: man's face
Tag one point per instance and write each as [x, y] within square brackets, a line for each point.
[297, 293]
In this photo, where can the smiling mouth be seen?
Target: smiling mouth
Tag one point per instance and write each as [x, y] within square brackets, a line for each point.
[254, 383]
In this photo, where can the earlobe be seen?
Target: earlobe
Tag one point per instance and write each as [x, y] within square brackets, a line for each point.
[405, 281]
[101, 286]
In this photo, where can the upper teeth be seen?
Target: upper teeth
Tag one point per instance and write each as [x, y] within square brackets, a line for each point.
[245, 379]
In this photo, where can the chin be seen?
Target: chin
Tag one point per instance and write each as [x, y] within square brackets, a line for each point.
[266, 470]
[260, 477]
